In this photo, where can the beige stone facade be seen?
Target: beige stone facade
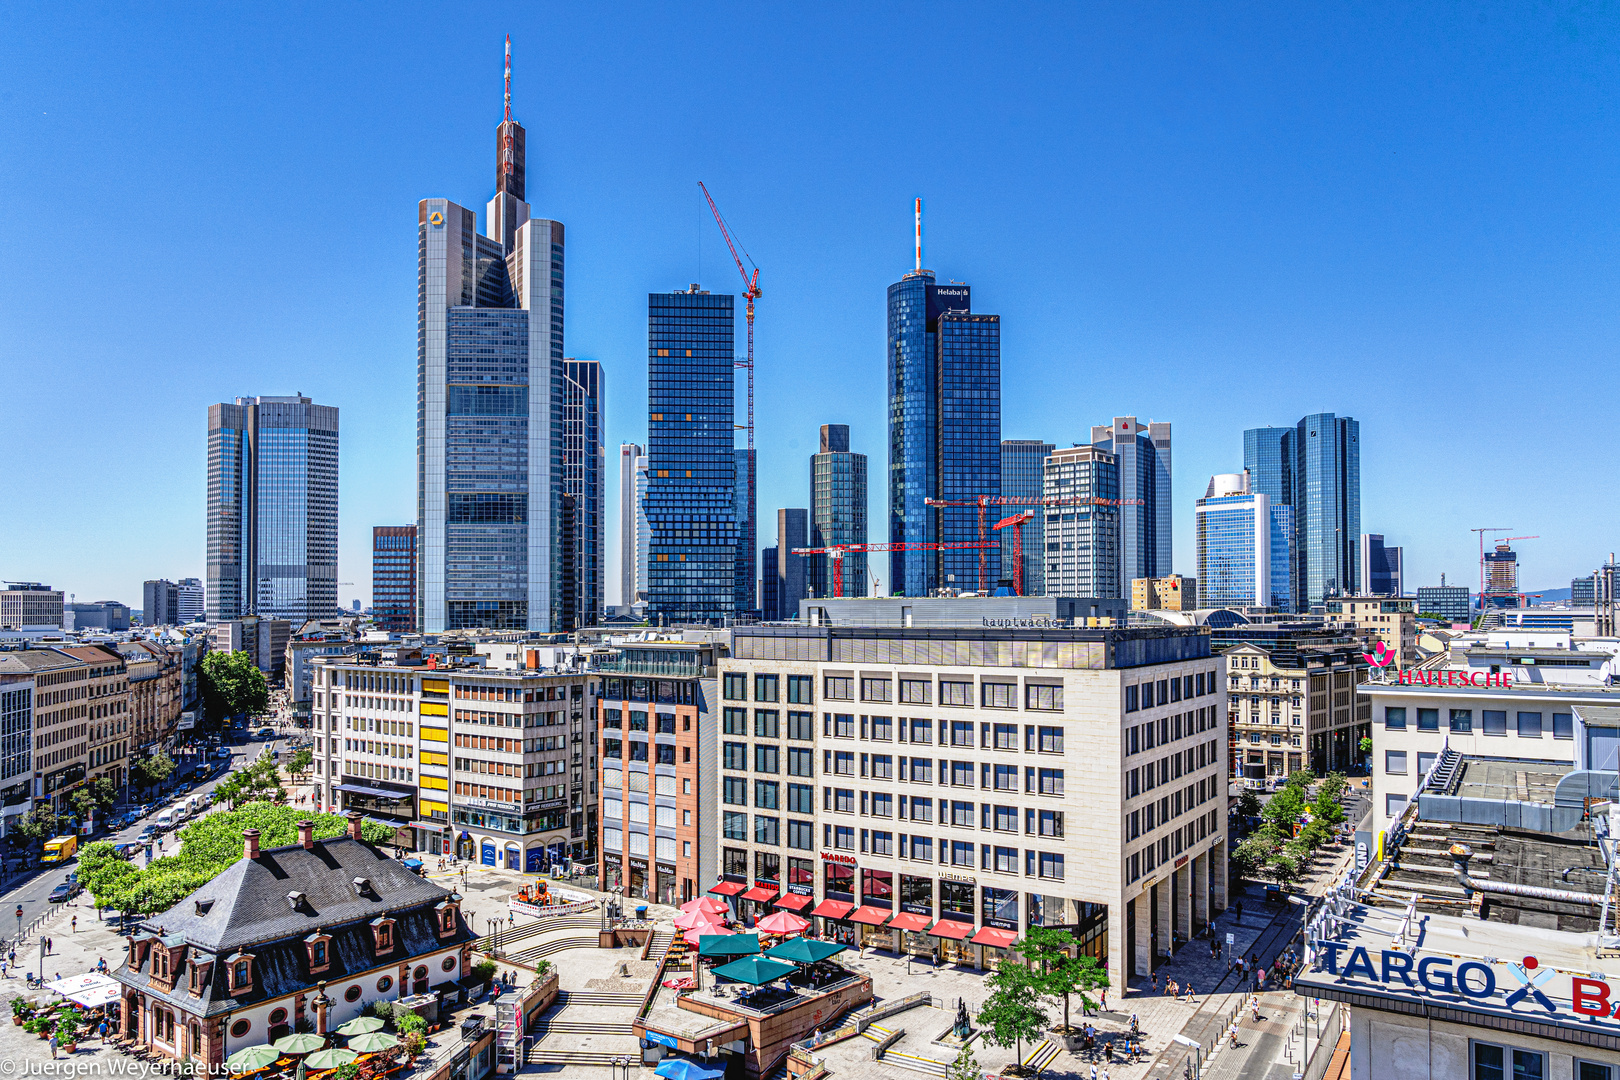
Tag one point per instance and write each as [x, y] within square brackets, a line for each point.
[1294, 706]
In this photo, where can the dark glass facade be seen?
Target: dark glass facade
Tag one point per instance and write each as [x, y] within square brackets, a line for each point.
[393, 578]
[584, 488]
[747, 531]
[837, 513]
[691, 498]
[1315, 467]
[944, 384]
[272, 509]
[1023, 471]
[1143, 453]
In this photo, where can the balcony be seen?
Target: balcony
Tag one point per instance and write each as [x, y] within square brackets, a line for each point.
[658, 669]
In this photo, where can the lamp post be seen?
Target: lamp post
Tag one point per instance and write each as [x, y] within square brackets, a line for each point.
[42, 940]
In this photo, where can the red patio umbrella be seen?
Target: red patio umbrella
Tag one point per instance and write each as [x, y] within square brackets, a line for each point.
[782, 922]
[706, 903]
[686, 920]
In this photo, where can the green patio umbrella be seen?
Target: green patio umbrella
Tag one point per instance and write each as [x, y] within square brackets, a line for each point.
[755, 970]
[254, 1058]
[728, 945]
[302, 1043]
[805, 950]
[360, 1025]
[330, 1059]
[373, 1041]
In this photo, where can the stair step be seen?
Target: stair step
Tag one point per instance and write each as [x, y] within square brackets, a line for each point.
[915, 1063]
[596, 997]
[582, 1027]
[572, 1057]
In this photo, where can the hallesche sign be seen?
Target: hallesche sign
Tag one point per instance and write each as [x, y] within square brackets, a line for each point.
[1524, 987]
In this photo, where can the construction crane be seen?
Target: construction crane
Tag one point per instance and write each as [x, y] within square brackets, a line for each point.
[1023, 500]
[1017, 524]
[838, 551]
[751, 292]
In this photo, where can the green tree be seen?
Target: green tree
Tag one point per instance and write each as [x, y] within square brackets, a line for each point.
[1248, 803]
[965, 1067]
[232, 685]
[1047, 952]
[1012, 1012]
[36, 826]
[1301, 779]
[154, 769]
[301, 762]
[1251, 855]
[1283, 868]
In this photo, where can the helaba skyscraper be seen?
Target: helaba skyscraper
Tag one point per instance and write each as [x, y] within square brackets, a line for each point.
[490, 391]
[944, 385]
[691, 501]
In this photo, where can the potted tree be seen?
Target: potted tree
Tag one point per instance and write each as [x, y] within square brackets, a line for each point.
[21, 1011]
[67, 1035]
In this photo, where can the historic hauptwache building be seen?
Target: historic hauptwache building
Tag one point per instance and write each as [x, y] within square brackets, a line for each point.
[291, 938]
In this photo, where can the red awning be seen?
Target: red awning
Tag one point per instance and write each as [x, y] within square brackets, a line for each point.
[907, 921]
[991, 935]
[951, 928]
[761, 893]
[871, 916]
[832, 909]
[729, 888]
[794, 902]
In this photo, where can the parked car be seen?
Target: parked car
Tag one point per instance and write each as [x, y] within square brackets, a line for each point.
[62, 892]
[265, 733]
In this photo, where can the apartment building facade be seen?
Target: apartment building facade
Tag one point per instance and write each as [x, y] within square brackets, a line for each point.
[465, 759]
[80, 702]
[1388, 619]
[17, 693]
[156, 697]
[1292, 706]
[658, 770]
[940, 790]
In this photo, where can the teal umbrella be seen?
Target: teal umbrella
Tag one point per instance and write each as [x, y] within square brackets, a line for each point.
[254, 1058]
[372, 1042]
[755, 970]
[330, 1059]
[360, 1025]
[805, 950]
[728, 944]
[302, 1043]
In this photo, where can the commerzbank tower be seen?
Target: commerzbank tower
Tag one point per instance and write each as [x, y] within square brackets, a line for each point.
[492, 514]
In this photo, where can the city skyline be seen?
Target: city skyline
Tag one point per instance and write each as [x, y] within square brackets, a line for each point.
[1130, 319]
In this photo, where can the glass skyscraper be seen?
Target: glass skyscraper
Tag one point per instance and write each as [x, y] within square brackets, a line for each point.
[1143, 452]
[490, 394]
[272, 509]
[584, 494]
[393, 578]
[1314, 467]
[691, 501]
[1023, 469]
[944, 383]
[1082, 541]
[837, 512]
[632, 466]
[1244, 546]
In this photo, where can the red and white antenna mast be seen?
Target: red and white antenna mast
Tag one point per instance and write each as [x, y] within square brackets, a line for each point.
[508, 77]
[919, 234]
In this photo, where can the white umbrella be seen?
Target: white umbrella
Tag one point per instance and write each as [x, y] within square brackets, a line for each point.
[87, 990]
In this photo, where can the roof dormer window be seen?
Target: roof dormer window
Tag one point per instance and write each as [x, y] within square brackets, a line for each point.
[318, 950]
[241, 972]
[383, 935]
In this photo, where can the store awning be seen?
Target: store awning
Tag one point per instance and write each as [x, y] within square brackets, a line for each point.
[907, 921]
[871, 916]
[430, 826]
[794, 902]
[832, 909]
[371, 792]
[991, 935]
[729, 888]
[951, 928]
[761, 893]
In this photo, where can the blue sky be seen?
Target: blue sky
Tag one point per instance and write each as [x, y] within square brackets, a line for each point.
[1218, 217]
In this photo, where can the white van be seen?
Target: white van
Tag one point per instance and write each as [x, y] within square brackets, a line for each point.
[165, 820]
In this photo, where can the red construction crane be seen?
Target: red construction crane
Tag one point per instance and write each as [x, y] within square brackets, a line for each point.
[1022, 500]
[838, 551]
[1017, 523]
[751, 292]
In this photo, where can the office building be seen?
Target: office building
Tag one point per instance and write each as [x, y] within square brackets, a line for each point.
[1292, 705]
[1173, 593]
[28, 605]
[1583, 591]
[632, 538]
[1391, 620]
[393, 578]
[18, 692]
[944, 390]
[1606, 598]
[747, 531]
[1453, 603]
[1082, 541]
[837, 513]
[192, 602]
[1314, 467]
[107, 615]
[160, 603]
[792, 532]
[1022, 786]
[1502, 577]
[490, 380]
[1243, 545]
[272, 509]
[1380, 567]
[1143, 455]
[1023, 475]
[659, 764]
[691, 501]
[264, 640]
[585, 494]
[769, 608]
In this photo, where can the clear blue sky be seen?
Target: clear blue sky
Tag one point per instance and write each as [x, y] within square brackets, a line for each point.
[1220, 218]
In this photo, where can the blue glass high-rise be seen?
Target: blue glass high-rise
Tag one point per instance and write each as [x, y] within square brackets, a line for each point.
[1023, 473]
[1243, 544]
[1315, 467]
[691, 500]
[837, 512]
[944, 383]
[1143, 452]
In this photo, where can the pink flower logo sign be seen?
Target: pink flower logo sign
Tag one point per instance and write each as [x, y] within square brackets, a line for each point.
[1382, 656]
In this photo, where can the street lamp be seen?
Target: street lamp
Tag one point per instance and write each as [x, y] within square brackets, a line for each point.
[42, 940]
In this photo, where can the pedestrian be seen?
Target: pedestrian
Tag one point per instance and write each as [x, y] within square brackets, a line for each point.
[1093, 1070]
[1191, 996]
[74, 922]
[50, 946]
[1105, 999]
[101, 1032]
[1153, 981]
[53, 1044]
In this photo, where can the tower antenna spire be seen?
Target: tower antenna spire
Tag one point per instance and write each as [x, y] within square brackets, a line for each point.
[508, 76]
[919, 233]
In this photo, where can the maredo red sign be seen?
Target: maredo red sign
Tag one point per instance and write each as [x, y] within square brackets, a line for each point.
[846, 860]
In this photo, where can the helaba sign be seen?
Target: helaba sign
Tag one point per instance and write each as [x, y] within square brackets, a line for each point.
[1526, 983]
[1442, 677]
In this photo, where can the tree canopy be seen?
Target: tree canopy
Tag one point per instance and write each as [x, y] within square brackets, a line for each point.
[232, 685]
[1012, 1013]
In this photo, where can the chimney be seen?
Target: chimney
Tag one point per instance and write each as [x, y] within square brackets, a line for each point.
[306, 835]
[250, 838]
[354, 824]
